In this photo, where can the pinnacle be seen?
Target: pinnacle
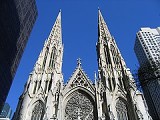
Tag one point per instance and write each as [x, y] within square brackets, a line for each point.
[99, 13]
[59, 14]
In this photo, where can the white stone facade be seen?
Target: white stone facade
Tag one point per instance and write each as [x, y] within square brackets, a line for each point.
[114, 95]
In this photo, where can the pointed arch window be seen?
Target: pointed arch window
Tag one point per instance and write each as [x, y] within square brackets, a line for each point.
[35, 86]
[50, 84]
[114, 83]
[38, 111]
[114, 54]
[39, 84]
[120, 81]
[110, 84]
[45, 58]
[121, 110]
[46, 85]
[52, 58]
[107, 56]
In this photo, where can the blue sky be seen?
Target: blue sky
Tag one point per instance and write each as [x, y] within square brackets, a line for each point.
[80, 29]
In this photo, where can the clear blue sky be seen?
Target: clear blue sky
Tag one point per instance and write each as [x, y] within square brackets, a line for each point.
[79, 28]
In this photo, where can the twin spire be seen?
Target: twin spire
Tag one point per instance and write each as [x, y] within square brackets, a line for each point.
[102, 28]
[55, 36]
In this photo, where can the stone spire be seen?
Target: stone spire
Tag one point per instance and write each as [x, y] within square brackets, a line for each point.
[56, 32]
[103, 30]
[107, 47]
[50, 55]
[46, 75]
[115, 78]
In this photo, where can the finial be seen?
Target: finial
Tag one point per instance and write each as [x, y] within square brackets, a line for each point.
[60, 10]
[98, 8]
[79, 62]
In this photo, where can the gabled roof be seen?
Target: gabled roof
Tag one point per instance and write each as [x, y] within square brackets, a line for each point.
[80, 79]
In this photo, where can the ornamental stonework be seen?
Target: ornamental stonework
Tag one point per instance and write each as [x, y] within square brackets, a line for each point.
[79, 107]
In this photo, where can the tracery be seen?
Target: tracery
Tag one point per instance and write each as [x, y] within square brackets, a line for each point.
[121, 110]
[38, 111]
[79, 107]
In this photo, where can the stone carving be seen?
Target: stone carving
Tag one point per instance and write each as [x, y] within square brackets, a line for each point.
[79, 107]
[80, 80]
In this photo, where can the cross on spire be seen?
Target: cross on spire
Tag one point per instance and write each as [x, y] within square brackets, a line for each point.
[79, 62]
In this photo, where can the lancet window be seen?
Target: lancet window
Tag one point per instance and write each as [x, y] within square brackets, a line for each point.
[49, 86]
[45, 58]
[39, 84]
[35, 86]
[38, 111]
[120, 81]
[114, 83]
[121, 110]
[114, 54]
[107, 56]
[110, 84]
[46, 85]
[52, 58]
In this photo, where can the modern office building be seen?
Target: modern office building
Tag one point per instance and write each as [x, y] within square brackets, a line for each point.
[147, 46]
[147, 49]
[114, 95]
[6, 112]
[17, 18]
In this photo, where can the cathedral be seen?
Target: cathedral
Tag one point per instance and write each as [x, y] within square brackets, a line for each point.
[113, 95]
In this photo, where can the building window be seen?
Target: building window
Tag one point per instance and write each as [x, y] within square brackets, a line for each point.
[121, 110]
[38, 111]
[52, 58]
[79, 107]
[45, 58]
[35, 86]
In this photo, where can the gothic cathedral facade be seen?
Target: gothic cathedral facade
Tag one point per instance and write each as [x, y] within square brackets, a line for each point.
[113, 96]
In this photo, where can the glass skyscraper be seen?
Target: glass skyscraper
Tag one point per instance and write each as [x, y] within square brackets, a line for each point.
[17, 18]
[6, 111]
[147, 49]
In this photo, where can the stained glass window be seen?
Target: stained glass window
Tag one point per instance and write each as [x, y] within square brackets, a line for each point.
[38, 111]
[121, 110]
[79, 107]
